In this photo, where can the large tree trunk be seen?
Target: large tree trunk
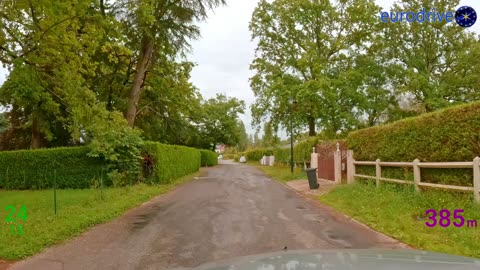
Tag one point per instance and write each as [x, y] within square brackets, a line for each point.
[143, 64]
[36, 141]
[311, 126]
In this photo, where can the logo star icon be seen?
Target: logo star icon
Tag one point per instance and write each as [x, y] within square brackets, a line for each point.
[466, 16]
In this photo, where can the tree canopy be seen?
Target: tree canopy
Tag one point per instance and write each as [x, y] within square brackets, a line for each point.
[106, 72]
[345, 69]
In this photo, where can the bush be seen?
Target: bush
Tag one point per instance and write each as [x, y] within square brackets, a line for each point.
[229, 156]
[35, 169]
[258, 153]
[452, 134]
[208, 158]
[237, 156]
[121, 148]
[163, 163]
[301, 152]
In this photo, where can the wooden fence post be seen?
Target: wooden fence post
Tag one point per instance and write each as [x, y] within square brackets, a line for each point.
[476, 179]
[378, 172]
[337, 159]
[416, 175]
[350, 167]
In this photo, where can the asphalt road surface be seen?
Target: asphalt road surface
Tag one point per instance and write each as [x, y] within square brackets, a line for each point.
[233, 210]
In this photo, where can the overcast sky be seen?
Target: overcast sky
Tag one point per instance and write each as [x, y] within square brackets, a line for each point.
[225, 50]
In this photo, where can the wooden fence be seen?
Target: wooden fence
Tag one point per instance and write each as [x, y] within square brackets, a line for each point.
[416, 165]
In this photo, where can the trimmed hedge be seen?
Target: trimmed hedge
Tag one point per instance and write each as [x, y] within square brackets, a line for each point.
[208, 158]
[35, 169]
[301, 152]
[237, 156]
[452, 134]
[257, 153]
[229, 156]
[170, 161]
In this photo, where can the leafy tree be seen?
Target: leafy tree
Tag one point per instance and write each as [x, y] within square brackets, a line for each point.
[244, 141]
[156, 28]
[220, 123]
[270, 137]
[171, 105]
[49, 46]
[306, 50]
[436, 63]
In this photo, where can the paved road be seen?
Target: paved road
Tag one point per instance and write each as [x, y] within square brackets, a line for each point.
[233, 210]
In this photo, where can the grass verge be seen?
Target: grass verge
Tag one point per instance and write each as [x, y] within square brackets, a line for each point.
[77, 210]
[281, 172]
[399, 211]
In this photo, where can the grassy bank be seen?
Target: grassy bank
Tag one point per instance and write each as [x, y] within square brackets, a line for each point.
[77, 210]
[281, 172]
[400, 212]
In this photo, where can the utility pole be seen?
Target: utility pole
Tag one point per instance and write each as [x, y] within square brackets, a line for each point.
[290, 101]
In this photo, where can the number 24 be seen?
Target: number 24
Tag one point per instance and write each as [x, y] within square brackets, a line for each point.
[22, 213]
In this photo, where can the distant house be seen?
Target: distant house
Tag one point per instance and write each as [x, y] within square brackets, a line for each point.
[220, 148]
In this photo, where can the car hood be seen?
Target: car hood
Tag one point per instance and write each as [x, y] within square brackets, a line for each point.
[351, 259]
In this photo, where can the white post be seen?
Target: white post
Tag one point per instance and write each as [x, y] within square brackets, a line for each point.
[378, 172]
[416, 175]
[350, 167]
[313, 159]
[476, 179]
[337, 161]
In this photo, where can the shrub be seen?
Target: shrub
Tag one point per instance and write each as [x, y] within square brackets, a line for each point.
[237, 156]
[301, 152]
[35, 169]
[169, 161]
[452, 134]
[208, 158]
[229, 156]
[258, 153]
[121, 148]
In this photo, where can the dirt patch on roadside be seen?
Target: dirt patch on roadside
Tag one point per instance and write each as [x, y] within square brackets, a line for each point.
[5, 264]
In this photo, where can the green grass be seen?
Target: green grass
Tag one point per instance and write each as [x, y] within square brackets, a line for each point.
[77, 210]
[395, 211]
[281, 172]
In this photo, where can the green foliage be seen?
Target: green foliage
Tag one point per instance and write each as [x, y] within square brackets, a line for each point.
[209, 158]
[257, 153]
[237, 156]
[220, 123]
[76, 65]
[452, 134]
[421, 55]
[35, 169]
[229, 156]
[121, 148]
[301, 152]
[308, 50]
[169, 161]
